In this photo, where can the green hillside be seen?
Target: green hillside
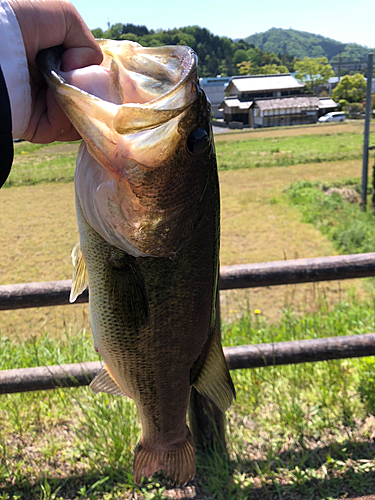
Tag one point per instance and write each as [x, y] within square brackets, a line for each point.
[217, 55]
[302, 44]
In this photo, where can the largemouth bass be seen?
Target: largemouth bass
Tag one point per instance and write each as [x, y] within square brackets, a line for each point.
[147, 202]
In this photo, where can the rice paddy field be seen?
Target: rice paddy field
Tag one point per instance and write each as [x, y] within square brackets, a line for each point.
[295, 432]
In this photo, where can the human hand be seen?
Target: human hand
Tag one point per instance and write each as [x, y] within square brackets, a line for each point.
[44, 24]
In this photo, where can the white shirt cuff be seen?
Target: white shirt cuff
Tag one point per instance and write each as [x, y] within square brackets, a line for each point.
[15, 69]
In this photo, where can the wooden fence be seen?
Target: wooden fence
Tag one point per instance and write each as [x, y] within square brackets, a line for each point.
[207, 422]
[55, 293]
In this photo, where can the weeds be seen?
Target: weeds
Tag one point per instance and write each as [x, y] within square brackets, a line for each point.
[350, 229]
[302, 431]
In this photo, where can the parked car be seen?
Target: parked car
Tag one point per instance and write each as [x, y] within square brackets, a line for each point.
[334, 116]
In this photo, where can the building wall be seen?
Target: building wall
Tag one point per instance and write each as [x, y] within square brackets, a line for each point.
[214, 89]
[237, 117]
[285, 119]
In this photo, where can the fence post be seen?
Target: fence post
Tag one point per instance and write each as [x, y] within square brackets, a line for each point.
[366, 133]
[207, 422]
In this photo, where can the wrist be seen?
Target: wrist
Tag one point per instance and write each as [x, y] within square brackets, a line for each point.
[15, 69]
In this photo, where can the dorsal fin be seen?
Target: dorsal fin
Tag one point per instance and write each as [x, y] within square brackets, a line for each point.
[80, 278]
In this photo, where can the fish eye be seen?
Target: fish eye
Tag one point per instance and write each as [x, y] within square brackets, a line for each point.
[198, 141]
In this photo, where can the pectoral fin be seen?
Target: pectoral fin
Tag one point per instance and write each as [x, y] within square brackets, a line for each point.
[103, 382]
[128, 297]
[213, 379]
[79, 279]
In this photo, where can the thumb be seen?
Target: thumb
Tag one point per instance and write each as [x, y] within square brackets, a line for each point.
[81, 47]
[80, 57]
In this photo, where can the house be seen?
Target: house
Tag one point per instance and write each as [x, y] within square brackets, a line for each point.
[334, 81]
[235, 110]
[248, 87]
[328, 86]
[214, 89]
[352, 66]
[272, 101]
[288, 110]
[243, 94]
[326, 105]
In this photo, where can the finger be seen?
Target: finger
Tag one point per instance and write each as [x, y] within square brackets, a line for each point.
[80, 57]
[82, 48]
[48, 122]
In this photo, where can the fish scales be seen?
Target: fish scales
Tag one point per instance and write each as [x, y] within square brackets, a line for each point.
[147, 201]
[179, 305]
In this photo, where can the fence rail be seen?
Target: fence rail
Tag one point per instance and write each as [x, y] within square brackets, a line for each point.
[54, 293]
[246, 356]
[206, 420]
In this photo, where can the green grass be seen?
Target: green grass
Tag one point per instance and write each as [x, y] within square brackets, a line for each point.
[350, 229]
[295, 432]
[286, 151]
[42, 163]
[38, 163]
[302, 431]
[24, 148]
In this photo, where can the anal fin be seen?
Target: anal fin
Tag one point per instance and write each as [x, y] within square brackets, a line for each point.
[103, 382]
[213, 380]
[80, 278]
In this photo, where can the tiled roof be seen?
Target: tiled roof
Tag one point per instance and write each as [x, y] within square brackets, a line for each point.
[231, 102]
[288, 102]
[260, 83]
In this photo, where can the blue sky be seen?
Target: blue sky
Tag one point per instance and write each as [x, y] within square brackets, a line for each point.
[342, 20]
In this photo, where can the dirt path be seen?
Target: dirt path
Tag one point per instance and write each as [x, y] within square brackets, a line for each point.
[349, 126]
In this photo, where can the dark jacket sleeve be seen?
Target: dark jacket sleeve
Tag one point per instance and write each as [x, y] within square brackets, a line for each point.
[6, 139]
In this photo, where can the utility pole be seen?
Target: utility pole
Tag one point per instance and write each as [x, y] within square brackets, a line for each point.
[366, 132]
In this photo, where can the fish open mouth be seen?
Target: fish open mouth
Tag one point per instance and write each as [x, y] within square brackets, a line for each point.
[135, 89]
[135, 180]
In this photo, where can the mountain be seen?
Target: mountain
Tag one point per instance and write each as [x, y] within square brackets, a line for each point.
[302, 44]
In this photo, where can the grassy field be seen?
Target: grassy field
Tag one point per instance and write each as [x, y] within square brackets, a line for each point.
[295, 432]
[35, 164]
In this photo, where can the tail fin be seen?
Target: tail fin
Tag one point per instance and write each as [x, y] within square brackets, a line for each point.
[178, 464]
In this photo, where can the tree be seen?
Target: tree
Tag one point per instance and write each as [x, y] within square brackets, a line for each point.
[351, 88]
[239, 56]
[98, 33]
[313, 72]
[245, 68]
[272, 69]
[135, 29]
[354, 109]
[216, 55]
[114, 32]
